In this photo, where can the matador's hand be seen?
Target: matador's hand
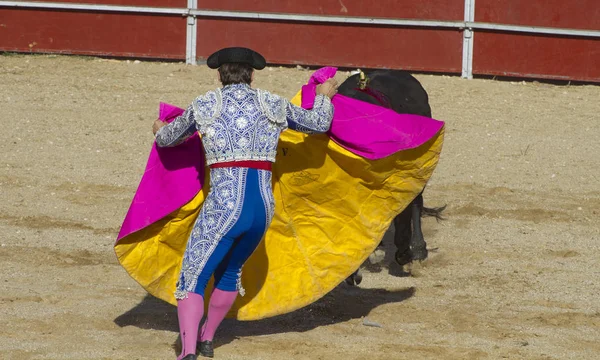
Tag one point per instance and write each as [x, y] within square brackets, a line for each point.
[157, 125]
[328, 88]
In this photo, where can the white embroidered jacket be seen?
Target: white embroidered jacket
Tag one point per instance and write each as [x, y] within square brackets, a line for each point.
[240, 123]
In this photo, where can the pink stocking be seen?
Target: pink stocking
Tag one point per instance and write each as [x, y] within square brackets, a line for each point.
[189, 312]
[220, 303]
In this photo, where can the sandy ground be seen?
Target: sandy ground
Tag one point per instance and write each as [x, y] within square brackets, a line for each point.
[514, 271]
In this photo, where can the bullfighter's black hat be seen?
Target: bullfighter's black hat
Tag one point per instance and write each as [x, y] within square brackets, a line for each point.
[236, 55]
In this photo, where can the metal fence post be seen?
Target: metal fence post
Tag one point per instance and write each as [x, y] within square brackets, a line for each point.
[467, 56]
[190, 41]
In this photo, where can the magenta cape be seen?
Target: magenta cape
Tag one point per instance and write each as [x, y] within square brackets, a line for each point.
[173, 176]
[367, 130]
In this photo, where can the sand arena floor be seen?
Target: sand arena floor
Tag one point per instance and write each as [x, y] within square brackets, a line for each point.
[514, 272]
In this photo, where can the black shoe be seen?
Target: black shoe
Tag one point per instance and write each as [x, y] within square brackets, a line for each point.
[190, 357]
[206, 349]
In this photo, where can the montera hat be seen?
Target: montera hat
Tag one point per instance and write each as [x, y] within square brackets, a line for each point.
[236, 55]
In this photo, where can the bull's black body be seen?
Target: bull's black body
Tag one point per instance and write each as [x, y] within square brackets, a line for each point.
[401, 92]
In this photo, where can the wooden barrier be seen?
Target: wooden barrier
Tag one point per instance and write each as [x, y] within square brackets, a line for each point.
[534, 39]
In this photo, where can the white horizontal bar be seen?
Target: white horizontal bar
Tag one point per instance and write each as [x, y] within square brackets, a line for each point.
[532, 29]
[304, 18]
[94, 7]
[327, 19]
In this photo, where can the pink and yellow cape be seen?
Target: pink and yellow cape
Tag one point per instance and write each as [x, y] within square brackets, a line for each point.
[336, 194]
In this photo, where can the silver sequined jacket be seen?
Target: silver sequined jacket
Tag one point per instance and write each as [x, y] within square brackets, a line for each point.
[239, 123]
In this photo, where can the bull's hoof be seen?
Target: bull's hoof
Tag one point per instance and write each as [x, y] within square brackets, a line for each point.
[354, 279]
[419, 253]
[377, 256]
[403, 258]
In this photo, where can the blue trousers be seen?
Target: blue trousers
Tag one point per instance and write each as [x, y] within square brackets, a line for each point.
[231, 224]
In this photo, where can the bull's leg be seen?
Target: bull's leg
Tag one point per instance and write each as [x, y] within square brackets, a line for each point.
[402, 235]
[378, 255]
[418, 247]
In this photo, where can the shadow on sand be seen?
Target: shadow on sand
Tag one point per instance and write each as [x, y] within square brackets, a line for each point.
[342, 304]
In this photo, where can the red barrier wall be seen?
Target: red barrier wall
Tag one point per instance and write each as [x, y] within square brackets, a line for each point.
[416, 48]
[574, 14]
[538, 56]
[93, 33]
[341, 45]
[395, 9]
[374, 47]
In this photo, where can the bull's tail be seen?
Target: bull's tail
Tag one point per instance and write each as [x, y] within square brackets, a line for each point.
[434, 212]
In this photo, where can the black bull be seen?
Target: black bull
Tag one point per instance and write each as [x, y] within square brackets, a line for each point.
[401, 92]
